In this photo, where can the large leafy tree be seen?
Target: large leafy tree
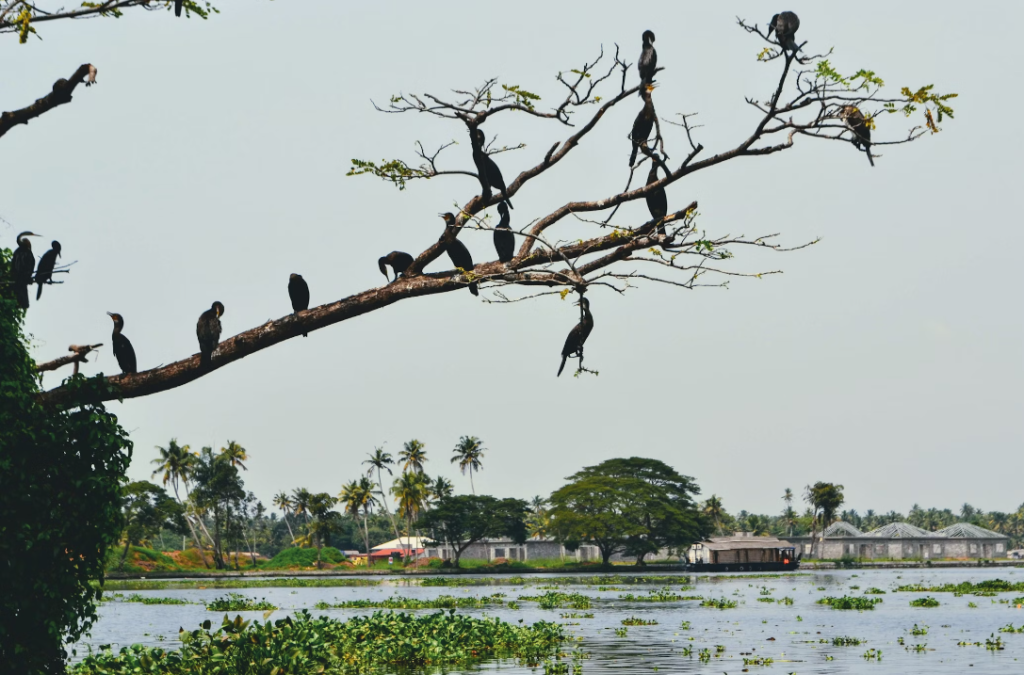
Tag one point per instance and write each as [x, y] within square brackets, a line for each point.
[635, 505]
[460, 521]
[824, 500]
[148, 509]
[61, 474]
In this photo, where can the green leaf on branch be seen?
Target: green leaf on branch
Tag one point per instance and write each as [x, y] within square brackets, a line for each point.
[396, 171]
[523, 97]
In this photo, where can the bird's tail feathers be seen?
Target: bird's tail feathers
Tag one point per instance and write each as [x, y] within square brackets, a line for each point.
[473, 288]
[21, 294]
[39, 291]
[562, 367]
[632, 156]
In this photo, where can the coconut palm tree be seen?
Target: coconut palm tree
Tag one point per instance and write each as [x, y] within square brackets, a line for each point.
[413, 456]
[412, 490]
[284, 502]
[177, 463]
[381, 461]
[713, 509]
[357, 497]
[787, 497]
[234, 455]
[441, 488]
[300, 501]
[468, 452]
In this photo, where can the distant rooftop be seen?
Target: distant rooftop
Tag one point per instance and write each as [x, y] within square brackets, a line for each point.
[841, 528]
[901, 531]
[968, 531]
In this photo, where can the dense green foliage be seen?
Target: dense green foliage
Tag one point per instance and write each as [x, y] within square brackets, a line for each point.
[924, 602]
[206, 582]
[462, 520]
[986, 587]
[636, 506]
[236, 602]
[61, 472]
[302, 557]
[398, 602]
[302, 645]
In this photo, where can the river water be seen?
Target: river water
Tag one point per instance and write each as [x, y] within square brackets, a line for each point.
[798, 637]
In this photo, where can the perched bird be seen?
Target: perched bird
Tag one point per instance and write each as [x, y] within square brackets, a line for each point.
[648, 62]
[785, 25]
[44, 272]
[23, 264]
[91, 79]
[657, 201]
[578, 335]
[399, 261]
[298, 291]
[123, 350]
[208, 332]
[489, 171]
[854, 120]
[177, 7]
[459, 254]
[504, 240]
[643, 124]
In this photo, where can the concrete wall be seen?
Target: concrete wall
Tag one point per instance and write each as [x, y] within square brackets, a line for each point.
[873, 548]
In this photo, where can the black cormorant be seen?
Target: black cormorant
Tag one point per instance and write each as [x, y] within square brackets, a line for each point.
[44, 273]
[486, 166]
[23, 264]
[177, 7]
[854, 120]
[399, 261]
[578, 335]
[459, 254]
[643, 124]
[298, 291]
[208, 332]
[648, 62]
[785, 25]
[657, 201]
[123, 350]
[504, 240]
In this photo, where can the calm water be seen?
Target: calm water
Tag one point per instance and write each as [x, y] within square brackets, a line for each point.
[753, 628]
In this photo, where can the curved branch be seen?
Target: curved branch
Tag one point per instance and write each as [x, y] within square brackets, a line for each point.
[59, 95]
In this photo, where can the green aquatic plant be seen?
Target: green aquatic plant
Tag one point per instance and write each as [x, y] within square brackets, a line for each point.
[685, 625]
[302, 644]
[926, 601]
[872, 654]
[721, 603]
[559, 600]
[236, 602]
[919, 630]
[987, 587]
[918, 648]
[994, 643]
[621, 632]
[848, 602]
[1008, 628]
[153, 600]
[232, 582]
[576, 615]
[758, 661]
[846, 641]
[663, 595]
[704, 655]
[874, 591]
[637, 621]
[399, 602]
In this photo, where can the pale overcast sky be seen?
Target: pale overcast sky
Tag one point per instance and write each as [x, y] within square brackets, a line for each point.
[209, 163]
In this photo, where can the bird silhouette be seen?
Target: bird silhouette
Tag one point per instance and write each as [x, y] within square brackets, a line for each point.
[298, 291]
[208, 332]
[44, 271]
[578, 335]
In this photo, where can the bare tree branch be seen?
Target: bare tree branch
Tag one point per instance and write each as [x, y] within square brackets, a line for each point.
[59, 95]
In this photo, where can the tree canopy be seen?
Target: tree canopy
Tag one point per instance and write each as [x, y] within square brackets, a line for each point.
[460, 521]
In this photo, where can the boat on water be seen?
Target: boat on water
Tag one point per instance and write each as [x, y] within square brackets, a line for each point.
[742, 552]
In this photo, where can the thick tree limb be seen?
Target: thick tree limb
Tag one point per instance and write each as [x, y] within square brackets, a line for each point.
[60, 95]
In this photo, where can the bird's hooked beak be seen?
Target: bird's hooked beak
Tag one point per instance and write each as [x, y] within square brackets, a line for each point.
[113, 317]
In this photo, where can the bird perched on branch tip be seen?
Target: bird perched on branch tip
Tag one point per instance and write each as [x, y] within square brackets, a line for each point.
[785, 25]
[298, 292]
[643, 124]
[647, 64]
[489, 171]
[504, 240]
[208, 332]
[399, 261]
[123, 350]
[459, 254]
[854, 120]
[578, 335]
[44, 272]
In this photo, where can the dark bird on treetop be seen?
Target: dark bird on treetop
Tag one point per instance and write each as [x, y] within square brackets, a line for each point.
[504, 240]
[177, 7]
[648, 62]
[123, 350]
[785, 25]
[23, 264]
[298, 291]
[208, 332]
[489, 171]
[854, 120]
[657, 200]
[399, 261]
[44, 273]
[459, 254]
[578, 335]
[643, 124]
